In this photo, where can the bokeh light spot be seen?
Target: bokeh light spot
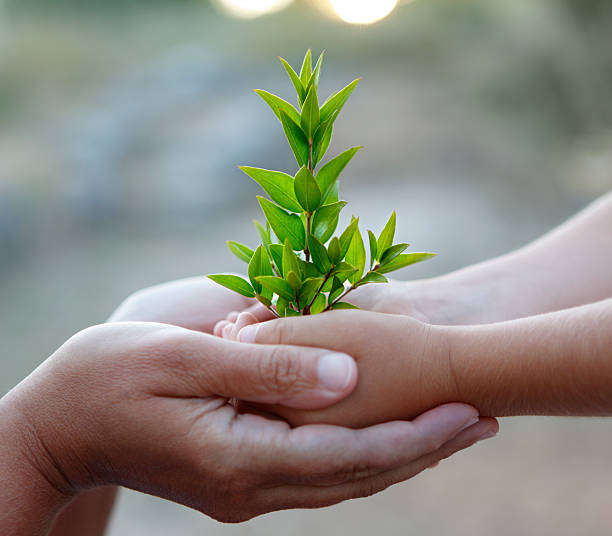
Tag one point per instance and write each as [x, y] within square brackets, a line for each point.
[248, 9]
[363, 11]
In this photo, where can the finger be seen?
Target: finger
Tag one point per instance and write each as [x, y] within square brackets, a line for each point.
[227, 331]
[202, 365]
[286, 497]
[333, 329]
[233, 316]
[261, 312]
[218, 329]
[331, 455]
[243, 320]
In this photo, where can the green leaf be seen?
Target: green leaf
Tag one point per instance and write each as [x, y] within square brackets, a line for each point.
[278, 185]
[372, 277]
[264, 234]
[333, 195]
[261, 299]
[278, 286]
[328, 285]
[295, 79]
[325, 220]
[235, 283]
[334, 251]
[319, 254]
[291, 312]
[344, 270]
[386, 237]
[307, 190]
[329, 173]
[276, 252]
[259, 265]
[373, 247]
[284, 224]
[343, 305]
[316, 72]
[309, 289]
[281, 306]
[336, 290]
[306, 71]
[322, 138]
[347, 236]
[391, 252]
[290, 261]
[404, 260]
[318, 306]
[309, 120]
[244, 253]
[356, 255]
[277, 104]
[296, 138]
[337, 100]
[294, 281]
[310, 270]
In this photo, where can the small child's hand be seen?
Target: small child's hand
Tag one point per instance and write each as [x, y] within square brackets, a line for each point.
[236, 320]
[403, 363]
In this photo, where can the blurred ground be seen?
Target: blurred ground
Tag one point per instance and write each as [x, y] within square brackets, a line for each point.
[484, 124]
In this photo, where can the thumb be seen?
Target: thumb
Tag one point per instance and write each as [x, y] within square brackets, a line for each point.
[296, 377]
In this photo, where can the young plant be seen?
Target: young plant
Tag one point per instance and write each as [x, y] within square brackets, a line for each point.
[300, 268]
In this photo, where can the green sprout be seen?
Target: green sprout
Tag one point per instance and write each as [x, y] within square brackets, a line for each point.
[301, 268]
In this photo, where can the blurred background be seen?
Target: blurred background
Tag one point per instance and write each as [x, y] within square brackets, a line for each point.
[484, 122]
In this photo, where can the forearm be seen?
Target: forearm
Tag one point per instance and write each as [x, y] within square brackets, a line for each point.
[565, 268]
[554, 364]
[29, 500]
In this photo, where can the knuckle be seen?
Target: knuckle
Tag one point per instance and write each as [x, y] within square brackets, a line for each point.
[283, 332]
[278, 372]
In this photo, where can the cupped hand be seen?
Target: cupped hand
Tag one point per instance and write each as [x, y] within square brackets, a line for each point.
[148, 406]
[404, 365]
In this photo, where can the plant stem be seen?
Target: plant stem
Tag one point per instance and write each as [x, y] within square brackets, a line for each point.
[308, 222]
[273, 311]
[306, 310]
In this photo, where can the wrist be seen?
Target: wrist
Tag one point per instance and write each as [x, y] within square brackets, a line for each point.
[33, 489]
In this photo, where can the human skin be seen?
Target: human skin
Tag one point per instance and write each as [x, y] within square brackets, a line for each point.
[191, 303]
[566, 267]
[120, 399]
[551, 364]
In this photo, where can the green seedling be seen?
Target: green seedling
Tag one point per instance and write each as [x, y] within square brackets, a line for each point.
[300, 267]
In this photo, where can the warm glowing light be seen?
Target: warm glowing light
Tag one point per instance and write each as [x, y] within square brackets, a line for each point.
[248, 9]
[363, 11]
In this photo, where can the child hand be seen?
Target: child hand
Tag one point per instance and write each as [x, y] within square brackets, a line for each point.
[403, 363]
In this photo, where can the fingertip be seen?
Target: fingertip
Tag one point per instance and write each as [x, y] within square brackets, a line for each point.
[245, 318]
[337, 372]
[448, 420]
[227, 331]
[233, 316]
[218, 329]
[248, 334]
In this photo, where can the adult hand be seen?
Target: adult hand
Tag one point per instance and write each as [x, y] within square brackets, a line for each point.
[195, 303]
[146, 406]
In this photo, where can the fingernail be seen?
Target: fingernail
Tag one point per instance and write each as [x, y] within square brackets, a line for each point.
[336, 371]
[469, 423]
[248, 333]
[487, 435]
